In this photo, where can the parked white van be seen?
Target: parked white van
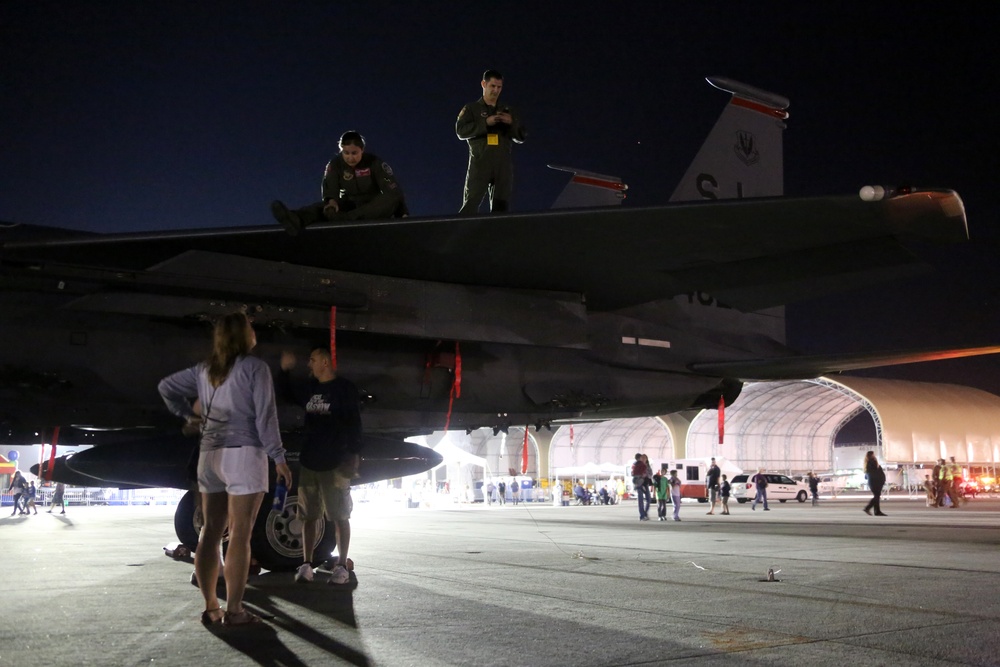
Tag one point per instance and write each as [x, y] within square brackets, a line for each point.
[779, 487]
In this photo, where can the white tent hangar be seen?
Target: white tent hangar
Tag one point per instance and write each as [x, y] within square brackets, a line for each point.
[614, 441]
[789, 426]
[794, 425]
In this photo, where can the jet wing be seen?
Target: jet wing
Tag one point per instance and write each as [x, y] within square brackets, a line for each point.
[812, 366]
[748, 254]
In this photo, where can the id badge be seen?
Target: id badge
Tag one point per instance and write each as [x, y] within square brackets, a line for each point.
[493, 139]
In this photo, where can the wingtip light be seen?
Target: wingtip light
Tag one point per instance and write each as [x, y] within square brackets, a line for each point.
[878, 192]
[872, 193]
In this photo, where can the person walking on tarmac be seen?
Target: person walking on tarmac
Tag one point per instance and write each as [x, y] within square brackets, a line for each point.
[876, 480]
[724, 490]
[814, 487]
[937, 477]
[641, 473]
[57, 498]
[760, 482]
[17, 489]
[356, 186]
[662, 485]
[953, 480]
[29, 499]
[675, 494]
[489, 128]
[712, 485]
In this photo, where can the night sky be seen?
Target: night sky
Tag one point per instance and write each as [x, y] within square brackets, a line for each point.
[144, 115]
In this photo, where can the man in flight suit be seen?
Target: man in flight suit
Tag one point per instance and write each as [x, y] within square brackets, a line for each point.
[356, 186]
[489, 128]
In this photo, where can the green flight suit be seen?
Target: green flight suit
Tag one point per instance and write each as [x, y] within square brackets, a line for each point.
[367, 191]
[490, 167]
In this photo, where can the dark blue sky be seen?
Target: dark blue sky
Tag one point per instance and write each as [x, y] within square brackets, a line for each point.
[124, 115]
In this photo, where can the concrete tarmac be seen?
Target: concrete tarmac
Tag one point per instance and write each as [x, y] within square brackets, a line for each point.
[529, 585]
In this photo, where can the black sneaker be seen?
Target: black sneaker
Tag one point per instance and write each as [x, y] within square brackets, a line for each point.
[288, 219]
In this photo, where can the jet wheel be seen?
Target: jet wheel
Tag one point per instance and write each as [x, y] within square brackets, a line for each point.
[276, 542]
[188, 520]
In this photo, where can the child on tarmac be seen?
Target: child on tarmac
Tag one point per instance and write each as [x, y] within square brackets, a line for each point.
[724, 492]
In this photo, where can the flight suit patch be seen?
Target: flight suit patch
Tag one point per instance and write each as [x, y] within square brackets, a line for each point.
[348, 174]
[361, 173]
[492, 139]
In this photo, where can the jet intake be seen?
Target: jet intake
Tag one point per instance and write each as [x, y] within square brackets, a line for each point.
[729, 389]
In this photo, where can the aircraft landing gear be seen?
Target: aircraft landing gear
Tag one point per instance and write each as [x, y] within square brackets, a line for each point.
[276, 541]
[188, 520]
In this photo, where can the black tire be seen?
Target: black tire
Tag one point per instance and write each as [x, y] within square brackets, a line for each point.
[188, 521]
[801, 497]
[783, 500]
[276, 541]
[741, 501]
[700, 500]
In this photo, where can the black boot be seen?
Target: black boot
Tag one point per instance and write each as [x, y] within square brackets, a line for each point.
[290, 220]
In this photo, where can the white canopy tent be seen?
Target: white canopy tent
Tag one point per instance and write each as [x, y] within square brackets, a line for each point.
[459, 469]
[593, 470]
[454, 455]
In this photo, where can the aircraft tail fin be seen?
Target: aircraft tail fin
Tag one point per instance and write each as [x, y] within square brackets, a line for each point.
[743, 155]
[587, 189]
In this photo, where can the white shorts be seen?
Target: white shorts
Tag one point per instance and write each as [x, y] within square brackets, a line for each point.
[238, 471]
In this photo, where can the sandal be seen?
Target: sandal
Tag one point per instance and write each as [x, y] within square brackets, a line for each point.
[208, 621]
[240, 618]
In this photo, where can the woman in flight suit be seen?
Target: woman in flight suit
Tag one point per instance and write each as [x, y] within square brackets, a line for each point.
[356, 186]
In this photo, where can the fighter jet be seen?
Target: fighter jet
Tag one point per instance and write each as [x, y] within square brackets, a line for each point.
[447, 322]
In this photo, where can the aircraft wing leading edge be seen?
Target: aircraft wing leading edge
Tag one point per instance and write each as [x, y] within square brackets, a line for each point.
[750, 254]
[812, 366]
